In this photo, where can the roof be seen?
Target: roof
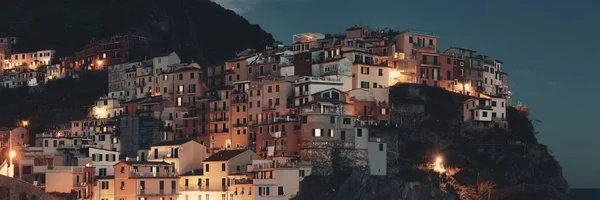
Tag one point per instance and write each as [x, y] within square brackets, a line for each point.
[356, 28]
[173, 142]
[462, 48]
[186, 69]
[134, 162]
[225, 155]
[194, 172]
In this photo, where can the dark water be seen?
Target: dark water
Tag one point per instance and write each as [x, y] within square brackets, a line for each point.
[585, 194]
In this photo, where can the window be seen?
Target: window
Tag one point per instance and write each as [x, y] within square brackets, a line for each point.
[317, 132]
[364, 84]
[364, 70]
[359, 132]
[27, 169]
[274, 67]
[330, 132]
[380, 72]
[180, 76]
[304, 120]
[280, 190]
[222, 166]
[277, 88]
[237, 65]
[122, 185]
[374, 85]
[503, 104]
[343, 135]
[448, 61]
[250, 70]
[484, 113]
[346, 120]
[410, 39]
[380, 147]
[332, 119]
[207, 169]
[191, 75]
[494, 103]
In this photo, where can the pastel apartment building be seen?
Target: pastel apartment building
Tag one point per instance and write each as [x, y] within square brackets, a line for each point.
[145, 179]
[486, 112]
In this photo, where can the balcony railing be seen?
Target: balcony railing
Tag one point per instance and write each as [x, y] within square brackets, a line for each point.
[225, 108]
[203, 188]
[160, 192]
[220, 131]
[240, 124]
[154, 174]
[219, 119]
[278, 134]
[272, 107]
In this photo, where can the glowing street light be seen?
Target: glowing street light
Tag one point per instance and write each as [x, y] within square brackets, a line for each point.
[12, 154]
[25, 123]
[438, 165]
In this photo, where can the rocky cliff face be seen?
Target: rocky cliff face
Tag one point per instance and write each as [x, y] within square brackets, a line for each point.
[480, 164]
[196, 29]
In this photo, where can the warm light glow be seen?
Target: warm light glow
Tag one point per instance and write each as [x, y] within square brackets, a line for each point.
[394, 77]
[25, 123]
[99, 112]
[12, 154]
[438, 165]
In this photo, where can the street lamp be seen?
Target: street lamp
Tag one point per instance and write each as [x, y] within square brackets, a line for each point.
[25, 123]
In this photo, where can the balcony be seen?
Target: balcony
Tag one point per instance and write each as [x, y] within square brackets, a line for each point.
[278, 134]
[203, 188]
[423, 46]
[161, 192]
[64, 169]
[240, 100]
[219, 131]
[219, 119]
[498, 119]
[225, 108]
[270, 107]
[154, 175]
[240, 124]
[80, 184]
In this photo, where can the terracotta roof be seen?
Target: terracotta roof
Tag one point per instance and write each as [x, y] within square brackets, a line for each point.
[194, 172]
[225, 155]
[134, 162]
[173, 142]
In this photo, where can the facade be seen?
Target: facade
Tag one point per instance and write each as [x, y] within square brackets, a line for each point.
[485, 112]
[185, 154]
[144, 179]
[99, 54]
[138, 133]
[30, 60]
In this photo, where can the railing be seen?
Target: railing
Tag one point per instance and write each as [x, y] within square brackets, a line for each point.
[278, 134]
[160, 192]
[423, 46]
[154, 174]
[497, 119]
[80, 184]
[219, 119]
[65, 168]
[323, 111]
[219, 131]
[240, 124]
[272, 107]
[203, 188]
[219, 109]
[312, 78]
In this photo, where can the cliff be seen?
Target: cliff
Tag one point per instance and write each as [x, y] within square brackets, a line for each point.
[493, 163]
[196, 29]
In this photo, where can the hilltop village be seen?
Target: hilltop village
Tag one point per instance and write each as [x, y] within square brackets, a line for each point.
[248, 128]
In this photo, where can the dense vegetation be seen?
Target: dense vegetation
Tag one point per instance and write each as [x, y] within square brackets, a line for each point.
[57, 102]
[196, 29]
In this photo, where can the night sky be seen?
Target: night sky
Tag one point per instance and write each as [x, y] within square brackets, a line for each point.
[548, 48]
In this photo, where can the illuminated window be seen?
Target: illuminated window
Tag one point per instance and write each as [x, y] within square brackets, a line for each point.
[317, 132]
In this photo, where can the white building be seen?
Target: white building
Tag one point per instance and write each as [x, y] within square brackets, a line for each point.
[102, 159]
[377, 157]
[306, 86]
[485, 112]
[185, 154]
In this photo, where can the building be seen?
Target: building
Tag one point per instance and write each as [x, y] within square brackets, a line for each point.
[185, 154]
[103, 160]
[485, 112]
[277, 179]
[222, 176]
[30, 60]
[67, 179]
[145, 180]
[377, 157]
[138, 132]
[110, 51]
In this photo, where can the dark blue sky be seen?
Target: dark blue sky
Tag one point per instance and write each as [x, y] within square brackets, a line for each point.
[547, 47]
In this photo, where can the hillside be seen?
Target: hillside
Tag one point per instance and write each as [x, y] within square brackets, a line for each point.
[480, 164]
[196, 29]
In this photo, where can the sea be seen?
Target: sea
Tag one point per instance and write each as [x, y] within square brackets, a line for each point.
[585, 194]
